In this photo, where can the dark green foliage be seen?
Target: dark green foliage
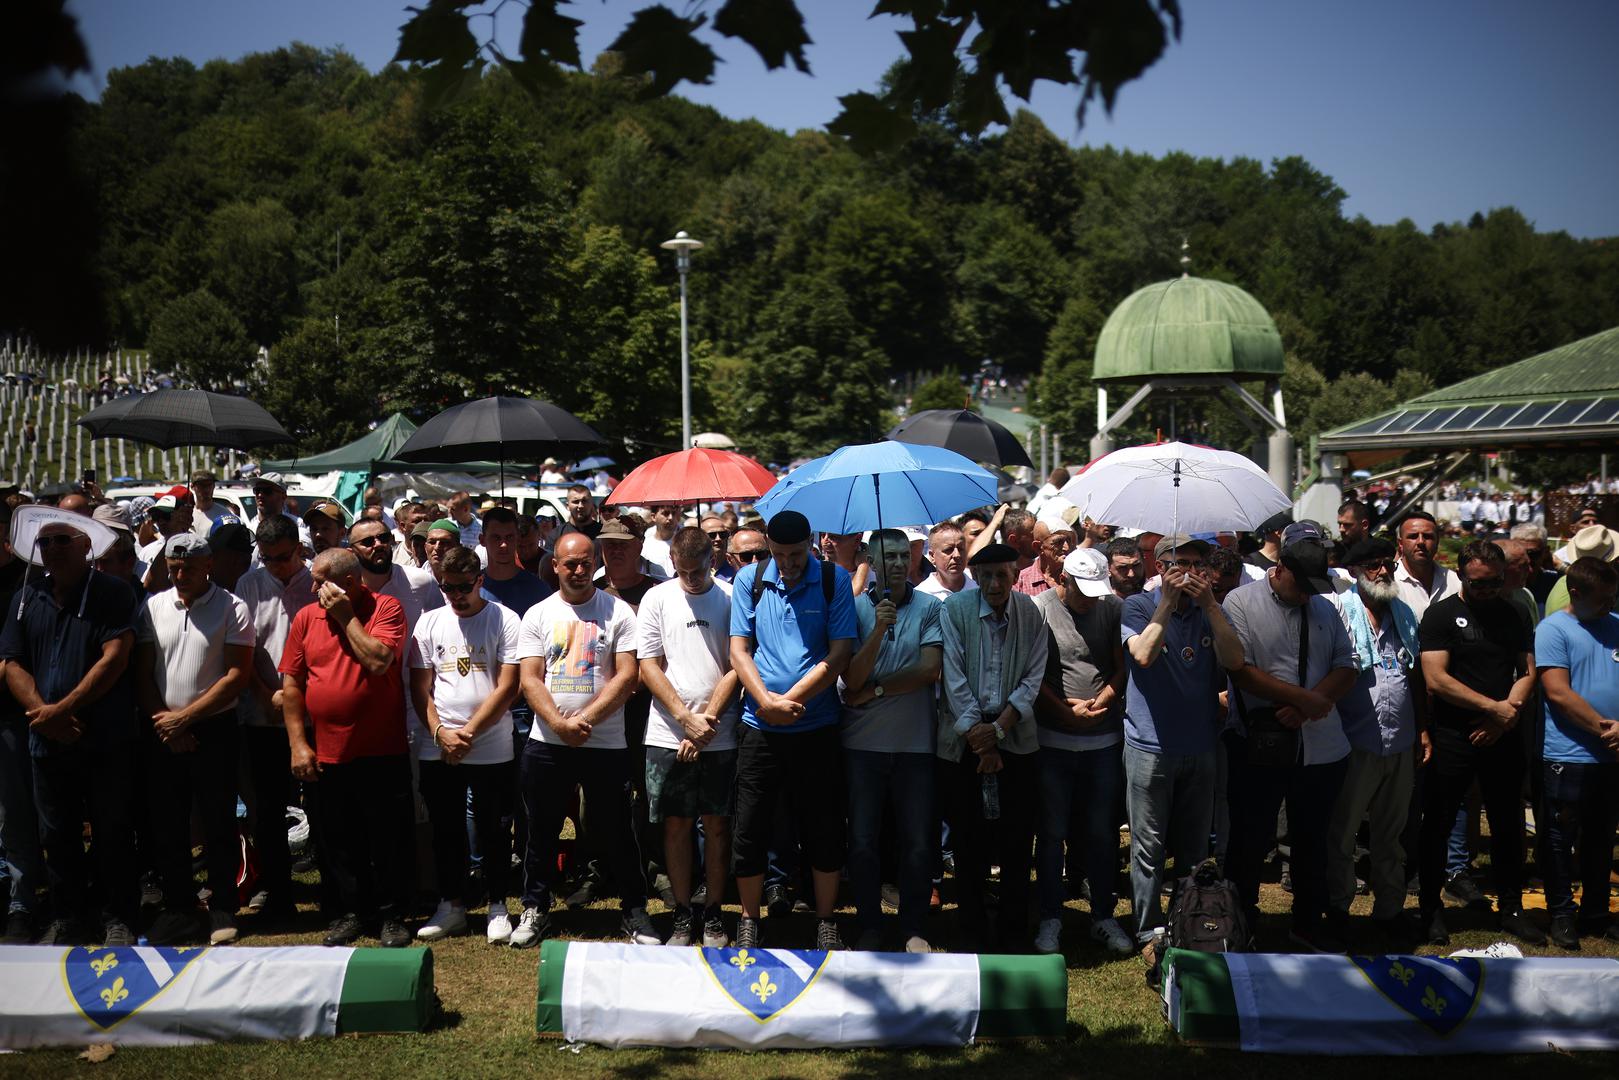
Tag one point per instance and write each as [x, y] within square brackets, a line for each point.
[941, 392]
[198, 337]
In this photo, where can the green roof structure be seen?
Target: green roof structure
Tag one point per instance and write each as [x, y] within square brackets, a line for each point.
[1568, 396]
[1188, 326]
[374, 452]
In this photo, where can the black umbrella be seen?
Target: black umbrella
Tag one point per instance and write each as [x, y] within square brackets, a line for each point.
[173, 418]
[500, 428]
[965, 432]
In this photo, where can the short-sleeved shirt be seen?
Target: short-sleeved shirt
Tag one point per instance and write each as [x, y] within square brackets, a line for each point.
[582, 646]
[793, 630]
[1484, 640]
[465, 656]
[355, 714]
[1173, 706]
[271, 605]
[1269, 631]
[190, 642]
[58, 644]
[693, 635]
[1589, 651]
[1079, 663]
[417, 591]
[519, 592]
[897, 723]
[939, 590]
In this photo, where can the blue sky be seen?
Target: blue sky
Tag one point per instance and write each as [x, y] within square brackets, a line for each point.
[1427, 109]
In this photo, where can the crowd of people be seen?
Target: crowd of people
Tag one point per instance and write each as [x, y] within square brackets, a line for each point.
[635, 705]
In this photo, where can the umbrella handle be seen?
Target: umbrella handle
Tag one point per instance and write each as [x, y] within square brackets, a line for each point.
[877, 495]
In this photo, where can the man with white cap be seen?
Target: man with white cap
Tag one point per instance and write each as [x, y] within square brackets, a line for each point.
[193, 660]
[1080, 711]
[65, 650]
[270, 492]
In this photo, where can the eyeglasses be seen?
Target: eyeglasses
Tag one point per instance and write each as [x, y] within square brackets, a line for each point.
[1188, 564]
[371, 541]
[449, 588]
[750, 556]
[57, 540]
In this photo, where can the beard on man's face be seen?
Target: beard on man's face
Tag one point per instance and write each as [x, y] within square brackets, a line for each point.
[1378, 593]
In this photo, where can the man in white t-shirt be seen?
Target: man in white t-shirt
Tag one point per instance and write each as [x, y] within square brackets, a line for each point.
[685, 653]
[577, 650]
[193, 660]
[464, 678]
[948, 549]
[655, 543]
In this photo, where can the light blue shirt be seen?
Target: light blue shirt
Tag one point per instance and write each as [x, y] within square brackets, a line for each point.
[792, 631]
[1378, 713]
[1589, 651]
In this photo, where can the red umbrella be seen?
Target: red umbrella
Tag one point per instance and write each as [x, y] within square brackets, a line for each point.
[695, 475]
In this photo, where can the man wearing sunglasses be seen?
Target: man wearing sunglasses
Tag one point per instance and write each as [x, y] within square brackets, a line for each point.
[274, 591]
[745, 546]
[416, 590]
[1478, 660]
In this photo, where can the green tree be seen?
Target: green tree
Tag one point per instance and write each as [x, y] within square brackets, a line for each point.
[1063, 394]
[942, 392]
[318, 389]
[198, 337]
[249, 255]
[814, 382]
[1010, 286]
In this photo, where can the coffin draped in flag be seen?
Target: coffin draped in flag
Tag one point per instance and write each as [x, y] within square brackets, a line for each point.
[157, 996]
[1300, 1004]
[619, 995]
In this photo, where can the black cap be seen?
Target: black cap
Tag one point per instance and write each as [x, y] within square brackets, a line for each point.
[1369, 550]
[788, 527]
[1307, 561]
[1275, 523]
[232, 536]
[994, 553]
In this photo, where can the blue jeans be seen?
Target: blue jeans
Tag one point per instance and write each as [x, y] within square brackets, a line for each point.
[1581, 808]
[904, 782]
[1171, 804]
[19, 824]
[1078, 790]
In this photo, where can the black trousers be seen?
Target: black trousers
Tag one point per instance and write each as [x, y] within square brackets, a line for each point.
[1582, 808]
[444, 789]
[1499, 769]
[269, 777]
[548, 775]
[805, 768]
[368, 827]
[95, 786]
[200, 782]
[980, 843]
[1255, 795]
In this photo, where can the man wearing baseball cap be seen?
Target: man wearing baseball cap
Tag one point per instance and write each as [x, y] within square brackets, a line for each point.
[1286, 741]
[170, 514]
[270, 492]
[1178, 650]
[192, 662]
[1080, 712]
[328, 523]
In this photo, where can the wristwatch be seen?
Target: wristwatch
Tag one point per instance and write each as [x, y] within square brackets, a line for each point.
[1000, 732]
[877, 690]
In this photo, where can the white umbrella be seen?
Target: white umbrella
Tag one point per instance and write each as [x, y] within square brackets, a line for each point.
[1176, 487]
[713, 440]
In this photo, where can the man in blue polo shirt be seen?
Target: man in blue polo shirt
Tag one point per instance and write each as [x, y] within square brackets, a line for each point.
[1178, 648]
[1577, 654]
[791, 637]
[67, 664]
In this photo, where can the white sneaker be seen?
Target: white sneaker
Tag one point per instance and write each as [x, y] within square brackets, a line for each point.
[1112, 937]
[1047, 938]
[531, 927]
[450, 920]
[500, 924]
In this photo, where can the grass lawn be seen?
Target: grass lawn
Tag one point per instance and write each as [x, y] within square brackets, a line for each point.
[1115, 1027]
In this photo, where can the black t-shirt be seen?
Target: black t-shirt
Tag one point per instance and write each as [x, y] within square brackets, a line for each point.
[1258, 559]
[1484, 640]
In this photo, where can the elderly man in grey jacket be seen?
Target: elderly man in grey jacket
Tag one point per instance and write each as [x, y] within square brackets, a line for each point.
[994, 659]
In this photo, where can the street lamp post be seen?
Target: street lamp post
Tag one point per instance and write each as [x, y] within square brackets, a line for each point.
[683, 245]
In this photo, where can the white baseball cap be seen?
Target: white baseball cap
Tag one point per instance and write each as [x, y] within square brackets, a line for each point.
[1088, 568]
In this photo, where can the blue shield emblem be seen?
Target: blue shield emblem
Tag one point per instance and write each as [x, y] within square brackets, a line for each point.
[111, 985]
[763, 982]
[1439, 991]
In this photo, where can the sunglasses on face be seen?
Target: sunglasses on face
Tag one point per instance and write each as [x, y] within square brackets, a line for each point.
[57, 540]
[1376, 564]
[450, 588]
[278, 559]
[371, 541]
[750, 556]
[722, 534]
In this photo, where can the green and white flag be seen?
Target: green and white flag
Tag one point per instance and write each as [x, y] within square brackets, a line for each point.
[1306, 1004]
[625, 995]
[158, 996]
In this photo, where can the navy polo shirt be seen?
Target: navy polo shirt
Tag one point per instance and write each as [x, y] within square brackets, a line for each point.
[792, 632]
[1173, 706]
[58, 646]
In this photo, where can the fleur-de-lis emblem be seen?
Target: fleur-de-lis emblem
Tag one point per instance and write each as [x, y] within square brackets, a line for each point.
[115, 993]
[94, 948]
[1402, 973]
[104, 964]
[1433, 1002]
[763, 988]
[742, 960]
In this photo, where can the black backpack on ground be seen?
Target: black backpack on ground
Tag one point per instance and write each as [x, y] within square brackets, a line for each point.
[1205, 913]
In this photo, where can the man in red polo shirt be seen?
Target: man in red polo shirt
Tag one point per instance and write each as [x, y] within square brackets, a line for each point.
[340, 676]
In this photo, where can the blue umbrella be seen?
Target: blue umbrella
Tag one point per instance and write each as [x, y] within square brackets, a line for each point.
[597, 462]
[860, 487]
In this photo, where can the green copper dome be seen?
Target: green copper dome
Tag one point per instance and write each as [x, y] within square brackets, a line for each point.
[1188, 326]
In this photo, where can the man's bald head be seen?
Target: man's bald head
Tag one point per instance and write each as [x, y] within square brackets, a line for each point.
[335, 564]
[574, 544]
